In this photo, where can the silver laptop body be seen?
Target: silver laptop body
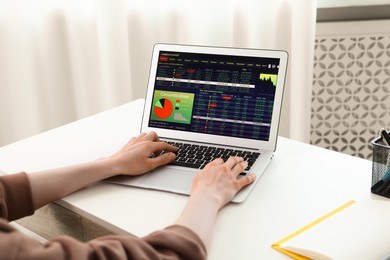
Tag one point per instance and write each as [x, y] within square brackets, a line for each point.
[226, 98]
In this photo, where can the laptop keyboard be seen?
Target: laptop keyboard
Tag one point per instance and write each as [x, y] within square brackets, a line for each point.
[197, 156]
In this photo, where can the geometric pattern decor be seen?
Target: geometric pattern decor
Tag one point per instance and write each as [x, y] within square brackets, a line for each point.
[351, 92]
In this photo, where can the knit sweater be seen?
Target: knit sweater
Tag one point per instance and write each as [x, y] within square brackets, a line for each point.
[173, 242]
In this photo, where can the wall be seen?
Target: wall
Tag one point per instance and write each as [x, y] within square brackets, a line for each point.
[343, 3]
[351, 86]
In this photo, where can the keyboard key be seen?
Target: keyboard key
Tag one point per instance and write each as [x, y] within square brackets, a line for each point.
[187, 164]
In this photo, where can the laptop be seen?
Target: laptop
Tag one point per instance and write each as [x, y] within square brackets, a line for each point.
[211, 102]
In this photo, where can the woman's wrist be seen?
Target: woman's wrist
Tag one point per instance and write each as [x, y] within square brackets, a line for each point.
[108, 167]
[204, 197]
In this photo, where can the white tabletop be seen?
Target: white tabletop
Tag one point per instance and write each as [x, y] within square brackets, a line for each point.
[302, 183]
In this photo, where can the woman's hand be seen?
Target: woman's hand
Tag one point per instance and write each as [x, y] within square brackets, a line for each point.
[218, 180]
[135, 157]
[213, 188]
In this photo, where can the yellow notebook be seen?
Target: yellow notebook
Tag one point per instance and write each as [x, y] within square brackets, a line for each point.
[343, 233]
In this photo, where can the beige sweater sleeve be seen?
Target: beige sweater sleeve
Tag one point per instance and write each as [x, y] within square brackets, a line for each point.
[174, 242]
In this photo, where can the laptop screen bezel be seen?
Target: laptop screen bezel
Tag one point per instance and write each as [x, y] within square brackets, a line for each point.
[270, 144]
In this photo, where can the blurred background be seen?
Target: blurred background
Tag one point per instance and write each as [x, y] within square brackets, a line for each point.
[65, 60]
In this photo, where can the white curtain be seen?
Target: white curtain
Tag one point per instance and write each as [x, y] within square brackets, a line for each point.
[61, 60]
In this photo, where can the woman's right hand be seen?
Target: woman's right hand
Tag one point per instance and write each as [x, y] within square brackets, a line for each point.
[218, 180]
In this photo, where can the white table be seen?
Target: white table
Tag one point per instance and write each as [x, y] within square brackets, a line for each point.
[302, 183]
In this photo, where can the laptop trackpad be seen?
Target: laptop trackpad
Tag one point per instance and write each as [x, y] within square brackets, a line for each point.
[170, 179]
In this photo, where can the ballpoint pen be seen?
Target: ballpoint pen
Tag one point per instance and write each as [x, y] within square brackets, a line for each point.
[384, 183]
[385, 136]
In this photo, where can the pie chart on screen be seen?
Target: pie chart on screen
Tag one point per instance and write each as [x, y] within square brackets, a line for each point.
[163, 108]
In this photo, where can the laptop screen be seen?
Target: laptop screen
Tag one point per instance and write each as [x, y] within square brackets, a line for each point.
[224, 95]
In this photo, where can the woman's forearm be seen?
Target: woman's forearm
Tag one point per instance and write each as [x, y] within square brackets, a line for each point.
[132, 159]
[53, 184]
[200, 215]
[212, 189]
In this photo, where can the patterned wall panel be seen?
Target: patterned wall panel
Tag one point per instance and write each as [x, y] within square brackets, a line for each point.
[351, 91]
